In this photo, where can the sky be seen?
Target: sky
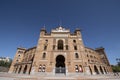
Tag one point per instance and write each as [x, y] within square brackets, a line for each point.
[21, 21]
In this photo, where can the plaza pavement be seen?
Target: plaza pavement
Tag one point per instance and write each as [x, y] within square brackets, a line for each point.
[7, 76]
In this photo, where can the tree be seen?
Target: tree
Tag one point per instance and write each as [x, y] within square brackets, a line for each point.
[116, 69]
[5, 64]
[118, 61]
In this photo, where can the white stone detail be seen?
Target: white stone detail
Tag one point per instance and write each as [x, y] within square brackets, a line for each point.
[60, 35]
[60, 29]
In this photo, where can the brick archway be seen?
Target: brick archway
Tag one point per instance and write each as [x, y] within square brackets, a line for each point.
[60, 64]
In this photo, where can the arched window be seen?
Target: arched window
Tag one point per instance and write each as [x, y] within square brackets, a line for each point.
[76, 68]
[76, 55]
[46, 40]
[45, 47]
[40, 68]
[75, 47]
[44, 55]
[43, 68]
[74, 41]
[80, 68]
[60, 45]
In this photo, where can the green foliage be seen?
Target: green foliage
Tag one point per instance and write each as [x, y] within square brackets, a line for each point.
[5, 64]
[118, 61]
[119, 64]
[116, 68]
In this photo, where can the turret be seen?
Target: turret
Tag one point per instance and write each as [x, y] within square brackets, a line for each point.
[78, 32]
[18, 58]
[42, 32]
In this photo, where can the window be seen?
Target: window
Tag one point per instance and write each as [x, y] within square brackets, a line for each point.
[60, 45]
[66, 47]
[45, 47]
[17, 60]
[46, 40]
[76, 68]
[53, 47]
[44, 55]
[92, 60]
[91, 56]
[80, 68]
[40, 68]
[74, 41]
[88, 60]
[75, 47]
[76, 55]
[87, 55]
[18, 56]
[43, 70]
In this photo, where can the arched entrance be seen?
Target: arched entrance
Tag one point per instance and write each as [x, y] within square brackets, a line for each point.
[25, 69]
[101, 70]
[90, 70]
[105, 70]
[60, 64]
[96, 69]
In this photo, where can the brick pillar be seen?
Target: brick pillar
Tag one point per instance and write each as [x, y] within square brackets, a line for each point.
[28, 68]
[99, 70]
[103, 70]
[18, 69]
[93, 71]
[21, 72]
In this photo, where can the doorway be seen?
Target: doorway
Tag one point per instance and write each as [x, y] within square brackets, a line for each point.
[60, 64]
[96, 70]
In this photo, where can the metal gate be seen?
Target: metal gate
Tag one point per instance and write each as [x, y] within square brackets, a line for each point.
[60, 70]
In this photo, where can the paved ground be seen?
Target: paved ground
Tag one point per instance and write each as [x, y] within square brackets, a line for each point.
[6, 76]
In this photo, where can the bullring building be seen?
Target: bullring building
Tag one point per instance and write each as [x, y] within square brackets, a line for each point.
[60, 52]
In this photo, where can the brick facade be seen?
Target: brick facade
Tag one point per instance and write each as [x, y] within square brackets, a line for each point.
[60, 52]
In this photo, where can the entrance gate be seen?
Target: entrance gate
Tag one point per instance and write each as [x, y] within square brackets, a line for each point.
[60, 70]
[60, 65]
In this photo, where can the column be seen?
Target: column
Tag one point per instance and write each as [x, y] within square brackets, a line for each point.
[28, 68]
[21, 72]
[18, 69]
